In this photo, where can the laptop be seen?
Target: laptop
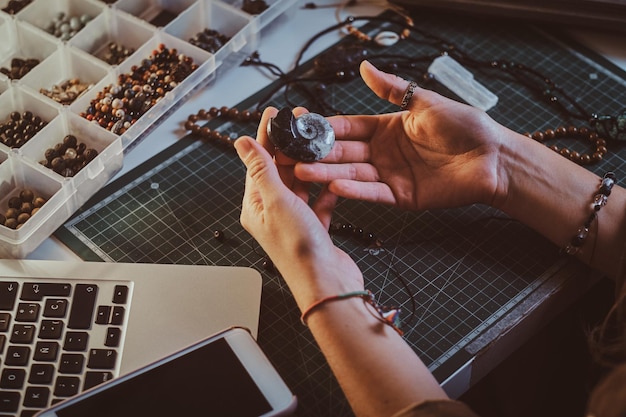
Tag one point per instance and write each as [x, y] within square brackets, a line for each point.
[68, 326]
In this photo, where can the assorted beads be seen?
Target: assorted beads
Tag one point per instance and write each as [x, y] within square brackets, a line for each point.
[68, 157]
[118, 106]
[598, 143]
[19, 67]
[21, 208]
[64, 26]
[20, 128]
[67, 91]
[599, 201]
[214, 112]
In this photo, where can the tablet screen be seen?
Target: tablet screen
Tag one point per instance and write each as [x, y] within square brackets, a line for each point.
[209, 381]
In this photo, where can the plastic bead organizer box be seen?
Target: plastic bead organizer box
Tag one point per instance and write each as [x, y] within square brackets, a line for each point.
[142, 26]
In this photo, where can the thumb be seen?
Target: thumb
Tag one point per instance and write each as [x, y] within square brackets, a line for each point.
[259, 163]
[389, 87]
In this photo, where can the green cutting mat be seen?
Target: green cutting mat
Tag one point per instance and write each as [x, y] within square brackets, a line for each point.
[455, 273]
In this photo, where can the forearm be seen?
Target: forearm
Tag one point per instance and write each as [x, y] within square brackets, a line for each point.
[554, 196]
[379, 373]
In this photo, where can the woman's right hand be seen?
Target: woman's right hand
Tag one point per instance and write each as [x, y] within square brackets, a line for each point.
[439, 153]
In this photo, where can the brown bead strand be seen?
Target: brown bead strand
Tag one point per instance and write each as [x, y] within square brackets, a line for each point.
[214, 113]
[574, 132]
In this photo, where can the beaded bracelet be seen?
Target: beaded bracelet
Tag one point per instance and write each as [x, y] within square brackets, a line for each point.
[599, 201]
[389, 316]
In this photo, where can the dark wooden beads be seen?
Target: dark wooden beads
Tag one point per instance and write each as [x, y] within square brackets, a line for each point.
[573, 132]
[21, 208]
[20, 128]
[213, 113]
[68, 157]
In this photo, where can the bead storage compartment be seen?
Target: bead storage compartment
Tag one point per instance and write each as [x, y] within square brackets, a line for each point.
[80, 63]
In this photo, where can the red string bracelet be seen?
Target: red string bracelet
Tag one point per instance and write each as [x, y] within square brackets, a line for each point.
[389, 316]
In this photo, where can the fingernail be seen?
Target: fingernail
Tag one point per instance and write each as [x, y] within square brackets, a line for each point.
[243, 147]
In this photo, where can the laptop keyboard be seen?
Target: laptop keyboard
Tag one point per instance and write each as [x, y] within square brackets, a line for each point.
[58, 338]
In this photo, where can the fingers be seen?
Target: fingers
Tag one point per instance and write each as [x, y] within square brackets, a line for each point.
[375, 192]
[261, 133]
[259, 164]
[390, 87]
[323, 173]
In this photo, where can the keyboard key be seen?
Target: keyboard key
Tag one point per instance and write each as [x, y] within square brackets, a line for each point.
[8, 294]
[93, 378]
[23, 333]
[76, 341]
[120, 294]
[27, 312]
[35, 291]
[102, 359]
[83, 305]
[46, 351]
[36, 397]
[55, 308]
[5, 321]
[113, 337]
[3, 340]
[117, 317]
[12, 378]
[41, 373]
[17, 355]
[71, 363]
[103, 314]
[66, 386]
[51, 329]
[9, 401]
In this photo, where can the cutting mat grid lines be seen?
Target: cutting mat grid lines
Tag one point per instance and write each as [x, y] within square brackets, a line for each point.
[453, 272]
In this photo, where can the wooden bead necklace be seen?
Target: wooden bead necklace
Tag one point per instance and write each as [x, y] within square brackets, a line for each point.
[574, 132]
[213, 113]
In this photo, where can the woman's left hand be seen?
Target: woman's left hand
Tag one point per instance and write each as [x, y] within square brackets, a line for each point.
[294, 233]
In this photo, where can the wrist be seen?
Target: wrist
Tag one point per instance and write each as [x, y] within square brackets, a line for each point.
[311, 280]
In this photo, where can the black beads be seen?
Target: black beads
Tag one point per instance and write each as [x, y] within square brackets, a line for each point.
[306, 138]
[254, 6]
[209, 39]
[349, 230]
[20, 128]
